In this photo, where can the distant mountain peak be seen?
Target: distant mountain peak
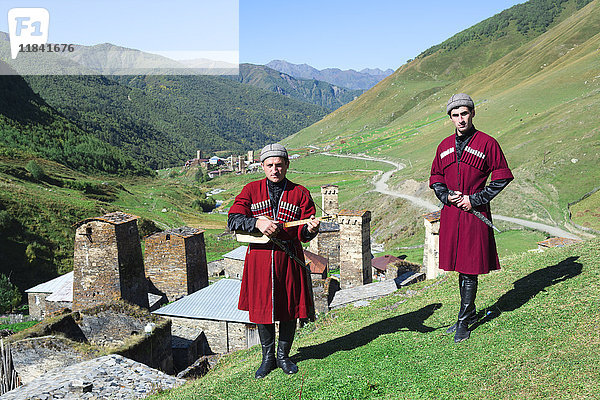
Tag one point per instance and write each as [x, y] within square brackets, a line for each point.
[358, 80]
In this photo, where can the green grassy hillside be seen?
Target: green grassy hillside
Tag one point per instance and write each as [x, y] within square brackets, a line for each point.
[536, 338]
[540, 100]
[37, 215]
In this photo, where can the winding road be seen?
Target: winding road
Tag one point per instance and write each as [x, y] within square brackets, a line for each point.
[381, 186]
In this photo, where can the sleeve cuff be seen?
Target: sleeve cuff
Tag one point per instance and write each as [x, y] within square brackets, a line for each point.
[503, 173]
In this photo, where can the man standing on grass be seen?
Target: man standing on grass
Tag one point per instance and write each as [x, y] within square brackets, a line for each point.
[274, 286]
[462, 164]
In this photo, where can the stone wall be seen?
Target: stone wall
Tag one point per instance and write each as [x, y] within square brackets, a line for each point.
[329, 199]
[108, 264]
[175, 263]
[234, 268]
[37, 304]
[153, 349]
[197, 267]
[431, 253]
[222, 337]
[355, 248]
[327, 244]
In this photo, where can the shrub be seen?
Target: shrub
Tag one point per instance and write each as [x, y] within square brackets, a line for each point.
[206, 205]
[147, 227]
[35, 170]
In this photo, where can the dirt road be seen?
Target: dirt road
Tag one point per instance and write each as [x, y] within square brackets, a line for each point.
[381, 186]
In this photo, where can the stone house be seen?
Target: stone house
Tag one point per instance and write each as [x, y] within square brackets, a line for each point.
[213, 310]
[51, 296]
[175, 262]
[380, 265]
[318, 265]
[234, 262]
[108, 263]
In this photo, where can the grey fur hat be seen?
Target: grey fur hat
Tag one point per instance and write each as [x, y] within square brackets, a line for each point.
[459, 100]
[273, 150]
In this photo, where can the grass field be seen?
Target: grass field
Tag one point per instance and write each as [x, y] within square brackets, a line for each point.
[587, 212]
[536, 338]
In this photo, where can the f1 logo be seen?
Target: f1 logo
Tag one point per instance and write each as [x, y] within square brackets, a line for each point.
[27, 26]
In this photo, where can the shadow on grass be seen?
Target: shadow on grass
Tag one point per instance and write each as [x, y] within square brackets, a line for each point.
[529, 286]
[413, 321]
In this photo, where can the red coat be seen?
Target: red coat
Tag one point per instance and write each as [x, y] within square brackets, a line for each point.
[467, 244]
[274, 287]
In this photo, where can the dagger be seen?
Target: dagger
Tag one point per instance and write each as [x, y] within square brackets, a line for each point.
[478, 214]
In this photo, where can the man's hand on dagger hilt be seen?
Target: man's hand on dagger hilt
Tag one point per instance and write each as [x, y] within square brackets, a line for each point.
[460, 200]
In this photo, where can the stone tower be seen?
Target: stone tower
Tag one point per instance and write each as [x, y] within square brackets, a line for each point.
[431, 250]
[108, 262]
[250, 156]
[355, 248]
[329, 199]
[175, 262]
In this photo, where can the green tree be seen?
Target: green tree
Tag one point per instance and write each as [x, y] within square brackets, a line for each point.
[9, 295]
[35, 170]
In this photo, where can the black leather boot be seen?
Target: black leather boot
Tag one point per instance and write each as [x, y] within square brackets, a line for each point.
[467, 312]
[266, 333]
[461, 278]
[287, 329]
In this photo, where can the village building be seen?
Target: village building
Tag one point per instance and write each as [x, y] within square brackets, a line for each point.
[108, 263]
[233, 262]
[327, 242]
[556, 242]
[355, 248]
[175, 262]
[380, 265]
[431, 250]
[318, 265]
[213, 310]
[51, 296]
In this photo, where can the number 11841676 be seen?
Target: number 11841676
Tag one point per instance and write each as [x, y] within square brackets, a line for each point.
[47, 48]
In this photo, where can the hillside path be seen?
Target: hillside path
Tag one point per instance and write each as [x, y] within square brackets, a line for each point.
[381, 186]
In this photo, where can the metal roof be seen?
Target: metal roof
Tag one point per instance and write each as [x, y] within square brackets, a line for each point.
[64, 293]
[53, 285]
[217, 302]
[237, 254]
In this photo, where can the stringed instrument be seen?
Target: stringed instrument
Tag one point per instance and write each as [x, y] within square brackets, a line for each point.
[260, 238]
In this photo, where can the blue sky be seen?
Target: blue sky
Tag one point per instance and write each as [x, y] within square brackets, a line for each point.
[326, 33]
[353, 34]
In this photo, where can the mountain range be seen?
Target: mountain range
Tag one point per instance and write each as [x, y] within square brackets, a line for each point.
[313, 91]
[351, 79]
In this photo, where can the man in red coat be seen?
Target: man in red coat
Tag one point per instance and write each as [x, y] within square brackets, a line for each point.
[462, 164]
[274, 286]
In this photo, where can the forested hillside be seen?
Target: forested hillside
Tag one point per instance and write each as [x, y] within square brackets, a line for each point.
[312, 91]
[162, 121]
[28, 125]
